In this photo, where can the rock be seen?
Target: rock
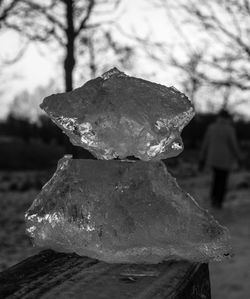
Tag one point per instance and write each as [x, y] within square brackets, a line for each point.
[123, 212]
[119, 116]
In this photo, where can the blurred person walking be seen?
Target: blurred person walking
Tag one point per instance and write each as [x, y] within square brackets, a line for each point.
[220, 152]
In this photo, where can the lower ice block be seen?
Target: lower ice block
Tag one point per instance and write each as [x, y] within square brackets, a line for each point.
[123, 212]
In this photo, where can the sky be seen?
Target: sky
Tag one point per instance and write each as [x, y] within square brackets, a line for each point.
[40, 64]
[36, 67]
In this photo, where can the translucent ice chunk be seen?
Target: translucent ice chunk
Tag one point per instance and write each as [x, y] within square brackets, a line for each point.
[118, 116]
[121, 211]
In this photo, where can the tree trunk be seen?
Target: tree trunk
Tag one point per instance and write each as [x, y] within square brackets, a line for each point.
[69, 62]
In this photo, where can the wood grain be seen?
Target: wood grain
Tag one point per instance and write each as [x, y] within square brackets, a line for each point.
[58, 275]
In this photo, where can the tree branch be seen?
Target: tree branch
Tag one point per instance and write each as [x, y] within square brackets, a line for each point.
[212, 22]
[44, 11]
[7, 10]
[85, 19]
[17, 56]
[34, 37]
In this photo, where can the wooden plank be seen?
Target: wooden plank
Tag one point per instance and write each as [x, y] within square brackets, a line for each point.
[58, 275]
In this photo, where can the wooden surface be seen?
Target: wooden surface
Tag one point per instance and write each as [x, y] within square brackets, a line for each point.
[58, 275]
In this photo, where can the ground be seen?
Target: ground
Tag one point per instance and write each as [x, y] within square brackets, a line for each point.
[229, 279]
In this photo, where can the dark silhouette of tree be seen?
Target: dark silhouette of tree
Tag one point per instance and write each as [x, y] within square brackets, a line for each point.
[191, 81]
[6, 8]
[100, 44]
[225, 27]
[66, 22]
[213, 47]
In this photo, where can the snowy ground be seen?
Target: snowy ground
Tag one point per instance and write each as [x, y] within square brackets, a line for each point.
[229, 279]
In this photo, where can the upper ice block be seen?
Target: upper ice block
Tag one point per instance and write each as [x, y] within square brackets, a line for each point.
[115, 116]
[123, 212]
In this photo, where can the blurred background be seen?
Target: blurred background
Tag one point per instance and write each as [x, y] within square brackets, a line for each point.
[200, 47]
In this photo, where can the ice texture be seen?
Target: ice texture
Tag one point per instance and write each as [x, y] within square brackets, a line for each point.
[123, 212]
[118, 116]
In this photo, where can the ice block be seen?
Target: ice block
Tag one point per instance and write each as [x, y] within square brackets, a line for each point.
[123, 212]
[116, 116]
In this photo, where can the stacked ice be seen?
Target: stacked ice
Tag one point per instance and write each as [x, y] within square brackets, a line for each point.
[123, 211]
[118, 116]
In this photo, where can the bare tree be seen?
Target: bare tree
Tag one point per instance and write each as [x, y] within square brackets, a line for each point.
[191, 81]
[65, 22]
[6, 8]
[225, 25]
[103, 44]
